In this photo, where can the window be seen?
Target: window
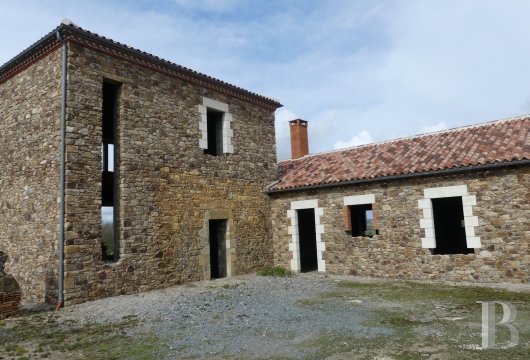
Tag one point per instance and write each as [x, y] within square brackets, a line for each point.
[215, 133]
[361, 220]
[449, 228]
[448, 220]
[109, 235]
[215, 126]
[360, 215]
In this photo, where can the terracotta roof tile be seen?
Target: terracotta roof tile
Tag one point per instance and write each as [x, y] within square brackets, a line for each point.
[495, 142]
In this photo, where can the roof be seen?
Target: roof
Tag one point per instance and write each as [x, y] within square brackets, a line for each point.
[76, 34]
[504, 142]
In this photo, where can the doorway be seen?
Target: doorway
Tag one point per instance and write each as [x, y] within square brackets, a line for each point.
[217, 235]
[307, 240]
[449, 229]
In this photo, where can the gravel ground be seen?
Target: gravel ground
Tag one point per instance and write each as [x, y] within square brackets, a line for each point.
[241, 316]
[246, 316]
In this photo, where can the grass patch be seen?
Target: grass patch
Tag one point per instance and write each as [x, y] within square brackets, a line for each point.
[275, 271]
[231, 286]
[420, 321]
[42, 336]
[409, 290]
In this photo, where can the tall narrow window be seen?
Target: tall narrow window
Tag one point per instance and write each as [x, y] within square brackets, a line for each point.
[109, 238]
[214, 121]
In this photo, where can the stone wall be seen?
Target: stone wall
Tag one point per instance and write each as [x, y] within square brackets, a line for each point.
[167, 186]
[502, 208]
[29, 176]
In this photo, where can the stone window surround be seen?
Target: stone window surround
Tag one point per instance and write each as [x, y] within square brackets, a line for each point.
[294, 245]
[359, 199]
[427, 221]
[228, 133]
[365, 199]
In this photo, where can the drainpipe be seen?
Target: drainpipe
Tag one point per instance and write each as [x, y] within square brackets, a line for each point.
[60, 297]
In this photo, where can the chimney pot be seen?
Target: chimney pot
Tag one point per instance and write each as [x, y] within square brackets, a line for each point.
[299, 141]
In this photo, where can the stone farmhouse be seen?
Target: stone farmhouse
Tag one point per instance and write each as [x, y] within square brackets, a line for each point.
[452, 205]
[122, 172]
[165, 164]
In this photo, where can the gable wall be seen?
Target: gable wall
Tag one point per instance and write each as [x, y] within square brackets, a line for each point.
[502, 207]
[168, 187]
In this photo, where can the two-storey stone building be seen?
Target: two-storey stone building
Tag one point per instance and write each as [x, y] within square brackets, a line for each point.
[164, 171]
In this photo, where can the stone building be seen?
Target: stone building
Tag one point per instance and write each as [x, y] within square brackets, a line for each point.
[164, 171]
[121, 172]
[452, 205]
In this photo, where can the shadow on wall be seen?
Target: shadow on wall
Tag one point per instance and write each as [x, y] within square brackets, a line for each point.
[10, 294]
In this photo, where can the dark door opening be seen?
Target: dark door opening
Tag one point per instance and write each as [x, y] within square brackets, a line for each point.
[307, 239]
[449, 228]
[217, 229]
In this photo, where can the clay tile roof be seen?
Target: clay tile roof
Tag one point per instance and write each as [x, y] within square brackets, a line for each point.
[498, 142]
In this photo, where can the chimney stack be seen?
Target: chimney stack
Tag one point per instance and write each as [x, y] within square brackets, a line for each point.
[299, 143]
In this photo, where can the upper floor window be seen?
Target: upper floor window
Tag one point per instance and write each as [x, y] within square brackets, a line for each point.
[216, 127]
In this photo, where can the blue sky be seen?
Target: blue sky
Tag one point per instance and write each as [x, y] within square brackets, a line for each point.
[358, 71]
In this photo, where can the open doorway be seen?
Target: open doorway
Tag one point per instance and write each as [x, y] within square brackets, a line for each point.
[307, 240]
[217, 235]
[449, 229]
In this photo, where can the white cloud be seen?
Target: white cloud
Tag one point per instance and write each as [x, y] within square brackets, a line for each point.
[283, 136]
[362, 138]
[386, 67]
[433, 128]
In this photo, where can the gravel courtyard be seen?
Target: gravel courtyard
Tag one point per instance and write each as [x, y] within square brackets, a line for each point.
[305, 316]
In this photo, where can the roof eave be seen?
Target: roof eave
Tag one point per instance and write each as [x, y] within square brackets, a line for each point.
[484, 167]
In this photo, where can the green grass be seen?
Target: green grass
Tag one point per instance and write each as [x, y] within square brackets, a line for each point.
[421, 320]
[41, 336]
[275, 271]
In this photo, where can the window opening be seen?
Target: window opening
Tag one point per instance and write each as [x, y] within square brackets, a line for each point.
[449, 229]
[214, 124]
[109, 239]
[362, 220]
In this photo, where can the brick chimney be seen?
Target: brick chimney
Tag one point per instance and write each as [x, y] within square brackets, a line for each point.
[299, 143]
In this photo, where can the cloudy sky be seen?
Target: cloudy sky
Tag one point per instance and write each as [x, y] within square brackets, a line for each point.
[358, 71]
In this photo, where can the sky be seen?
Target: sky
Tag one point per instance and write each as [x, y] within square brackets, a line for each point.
[359, 71]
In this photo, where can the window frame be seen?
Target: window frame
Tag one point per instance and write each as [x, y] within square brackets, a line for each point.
[226, 126]
[427, 221]
[360, 201]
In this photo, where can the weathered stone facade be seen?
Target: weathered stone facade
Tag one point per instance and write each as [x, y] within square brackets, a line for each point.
[29, 176]
[502, 207]
[166, 183]
[167, 187]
